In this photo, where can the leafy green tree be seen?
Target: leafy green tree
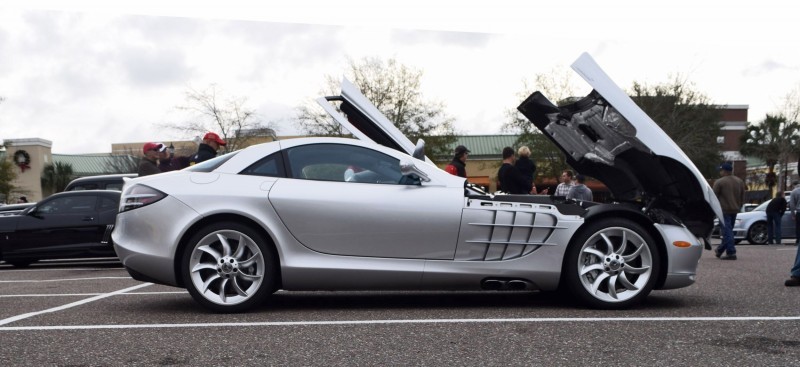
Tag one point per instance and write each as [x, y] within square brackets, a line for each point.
[394, 89]
[7, 177]
[55, 177]
[687, 116]
[775, 140]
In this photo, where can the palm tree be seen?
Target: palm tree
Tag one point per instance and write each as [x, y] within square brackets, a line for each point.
[55, 177]
[774, 140]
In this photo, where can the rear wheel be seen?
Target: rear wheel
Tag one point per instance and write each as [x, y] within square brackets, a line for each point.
[611, 264]
[228, 267]
[757, 233]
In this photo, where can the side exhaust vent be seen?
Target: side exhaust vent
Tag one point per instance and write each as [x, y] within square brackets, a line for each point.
[498, 284]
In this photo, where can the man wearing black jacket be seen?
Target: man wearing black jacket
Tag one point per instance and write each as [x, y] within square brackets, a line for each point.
[511, 181]
[775, 210]
[207, 149]
[458, 167]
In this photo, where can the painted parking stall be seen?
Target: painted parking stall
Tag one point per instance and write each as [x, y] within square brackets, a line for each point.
[91, 315]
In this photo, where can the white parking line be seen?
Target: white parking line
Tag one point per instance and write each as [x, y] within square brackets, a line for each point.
[70, 305]
[59, 269]
[390, 322]
[59, 280]
[86, 294]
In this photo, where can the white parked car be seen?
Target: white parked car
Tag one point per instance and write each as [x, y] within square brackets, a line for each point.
[752, 226]
[372, 213]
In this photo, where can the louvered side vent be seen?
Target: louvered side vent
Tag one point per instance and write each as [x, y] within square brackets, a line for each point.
[502, 231]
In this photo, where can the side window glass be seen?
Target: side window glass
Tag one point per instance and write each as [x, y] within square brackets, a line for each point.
[271, 166]
[69, 205]
[115, 186]
[343, 163]
[89, 186]
[106, 204]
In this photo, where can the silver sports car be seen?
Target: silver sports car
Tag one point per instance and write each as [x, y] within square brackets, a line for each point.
[372, 213]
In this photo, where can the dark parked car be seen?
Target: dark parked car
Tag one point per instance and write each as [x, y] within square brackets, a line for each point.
[101, 182]
[71, 224]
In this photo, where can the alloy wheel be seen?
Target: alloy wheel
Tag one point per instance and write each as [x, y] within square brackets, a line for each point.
[615, 264]
[227, 267]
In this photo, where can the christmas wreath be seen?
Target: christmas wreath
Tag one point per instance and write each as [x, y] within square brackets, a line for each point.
[22, 159]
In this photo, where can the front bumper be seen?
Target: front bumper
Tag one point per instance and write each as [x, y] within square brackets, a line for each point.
[681, 261]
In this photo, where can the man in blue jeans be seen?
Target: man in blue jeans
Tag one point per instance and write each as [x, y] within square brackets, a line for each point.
[775, 210]
[794, 206]
[730, 192]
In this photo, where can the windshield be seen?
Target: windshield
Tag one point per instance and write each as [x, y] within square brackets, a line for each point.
[762, 207]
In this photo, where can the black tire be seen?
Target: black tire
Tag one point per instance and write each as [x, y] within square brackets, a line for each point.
[611, 277]
[757, 233]
[229, 280]
[21, 263]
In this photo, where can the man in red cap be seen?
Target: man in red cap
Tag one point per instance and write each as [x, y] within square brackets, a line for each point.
[207, 149]
[148, 165]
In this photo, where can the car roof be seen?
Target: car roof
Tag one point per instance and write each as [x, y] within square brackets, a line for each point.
[84, 192]
[111, 177]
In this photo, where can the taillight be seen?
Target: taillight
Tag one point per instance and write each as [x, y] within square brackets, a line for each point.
[138, 196]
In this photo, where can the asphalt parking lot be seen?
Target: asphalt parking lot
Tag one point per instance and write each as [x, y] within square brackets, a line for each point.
[94, 314]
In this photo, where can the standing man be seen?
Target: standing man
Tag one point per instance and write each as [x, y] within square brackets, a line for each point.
[207, 149]
[511, 180]
[579, 191]
[775, 210]
[730, 192]
[148, 165]
[458, 167]
[794, 206]
[566, 183]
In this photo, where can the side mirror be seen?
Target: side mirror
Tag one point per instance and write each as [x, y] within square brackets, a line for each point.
[408, 168]
[419, 150]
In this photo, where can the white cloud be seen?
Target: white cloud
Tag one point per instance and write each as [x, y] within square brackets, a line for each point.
[86, 76]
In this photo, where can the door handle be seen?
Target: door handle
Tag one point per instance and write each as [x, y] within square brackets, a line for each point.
[88, 219]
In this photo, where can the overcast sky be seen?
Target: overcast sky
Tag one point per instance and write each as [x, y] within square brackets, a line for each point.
[86, 76]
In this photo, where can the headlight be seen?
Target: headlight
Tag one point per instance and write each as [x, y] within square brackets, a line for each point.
[737, 223]
[138, 196]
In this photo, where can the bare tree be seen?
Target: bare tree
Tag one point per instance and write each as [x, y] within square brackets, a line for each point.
[394, 89]
[211, 110]
[123, 163]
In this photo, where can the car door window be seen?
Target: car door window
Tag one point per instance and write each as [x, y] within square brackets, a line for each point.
[271, 166]
[116, 186]
[343, 163]
[69, 205]
[106, 204]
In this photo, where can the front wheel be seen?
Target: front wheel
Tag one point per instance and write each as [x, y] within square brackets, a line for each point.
[228, 267]
[611, 264]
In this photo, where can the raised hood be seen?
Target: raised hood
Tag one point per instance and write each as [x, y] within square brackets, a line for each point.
[605, 135]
